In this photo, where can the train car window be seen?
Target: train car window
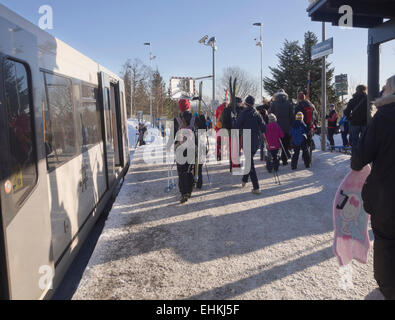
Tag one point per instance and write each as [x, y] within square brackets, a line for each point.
[21, 137]
[89, 114]
[59, 126]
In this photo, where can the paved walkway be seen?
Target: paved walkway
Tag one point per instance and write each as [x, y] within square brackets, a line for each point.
[225, 243]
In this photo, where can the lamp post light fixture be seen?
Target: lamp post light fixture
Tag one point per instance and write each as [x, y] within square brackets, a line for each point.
[260, 44]
[150, 76]
[211, 43]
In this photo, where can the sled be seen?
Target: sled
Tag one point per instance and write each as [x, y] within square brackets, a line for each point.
[351, 238]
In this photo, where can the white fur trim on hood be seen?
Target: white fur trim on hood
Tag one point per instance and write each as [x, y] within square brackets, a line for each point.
[384, 101]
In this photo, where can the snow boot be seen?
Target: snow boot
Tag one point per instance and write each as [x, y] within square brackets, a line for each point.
[183, 199]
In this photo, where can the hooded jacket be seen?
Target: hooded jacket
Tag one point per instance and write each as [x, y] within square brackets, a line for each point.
[250, 118]
[284, 111]
[357, 110]
[273, 136]
[299, 132]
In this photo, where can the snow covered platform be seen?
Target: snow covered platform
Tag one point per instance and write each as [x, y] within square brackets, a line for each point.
[225, 242]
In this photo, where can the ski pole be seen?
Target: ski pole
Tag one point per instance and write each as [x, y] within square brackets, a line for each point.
[282, 146]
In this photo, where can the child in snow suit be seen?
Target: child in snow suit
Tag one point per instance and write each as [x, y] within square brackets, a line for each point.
[299, 133]
[274, 134]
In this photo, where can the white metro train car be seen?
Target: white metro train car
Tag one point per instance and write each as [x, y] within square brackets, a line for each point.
[64, 151]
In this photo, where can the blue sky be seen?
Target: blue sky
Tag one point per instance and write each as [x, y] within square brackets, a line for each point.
[110, 32]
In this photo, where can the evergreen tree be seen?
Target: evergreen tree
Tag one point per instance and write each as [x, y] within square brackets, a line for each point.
[292, 72]
[158, 94]
[315, 68]
[287, 75]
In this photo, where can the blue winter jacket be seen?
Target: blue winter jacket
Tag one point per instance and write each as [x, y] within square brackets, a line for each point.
[299, 132]
[250, 118]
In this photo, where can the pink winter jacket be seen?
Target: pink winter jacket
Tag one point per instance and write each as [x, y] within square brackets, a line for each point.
[273, 135]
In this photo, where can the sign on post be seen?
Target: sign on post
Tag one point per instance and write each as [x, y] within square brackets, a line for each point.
[322, 49]
[341, 85]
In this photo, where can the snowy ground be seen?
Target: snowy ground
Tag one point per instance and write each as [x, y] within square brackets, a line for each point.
[225, 243]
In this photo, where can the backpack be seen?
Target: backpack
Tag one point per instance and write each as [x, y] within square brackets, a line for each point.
[183, 125]
[308, 112]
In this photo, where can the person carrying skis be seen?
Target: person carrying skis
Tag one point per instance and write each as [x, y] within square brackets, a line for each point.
[184, 120]
[284, 112]
[262, 109]
[273, 135]
[332, 124]
[251, 119]
[377, 146]
[228, 120]
[299, 134]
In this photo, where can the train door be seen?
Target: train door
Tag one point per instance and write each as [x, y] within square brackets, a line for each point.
[108, 131]
[25, 245]
[117, 119]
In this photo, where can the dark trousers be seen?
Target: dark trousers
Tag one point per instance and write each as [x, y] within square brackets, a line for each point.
[185, 178]
[252, 175]
[305, 155]
[199, 183]
[356, 132]
[273, 161]
[331, 133]
[345, 138]
[285, 154]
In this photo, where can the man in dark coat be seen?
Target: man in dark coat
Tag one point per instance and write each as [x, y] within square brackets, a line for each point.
[252, 120]
[357, 113]
[284, 111]
[377, 146]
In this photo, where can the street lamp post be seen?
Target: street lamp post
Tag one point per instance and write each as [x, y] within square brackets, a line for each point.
[260, 44]
[211, 43]
[150, 77]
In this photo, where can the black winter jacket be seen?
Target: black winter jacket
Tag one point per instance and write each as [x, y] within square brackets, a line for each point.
[251, 119]
[377, 146]
[284, 112]
[359, 103]
[226, 117]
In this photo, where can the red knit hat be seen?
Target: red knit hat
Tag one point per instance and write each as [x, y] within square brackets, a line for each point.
[184, 105]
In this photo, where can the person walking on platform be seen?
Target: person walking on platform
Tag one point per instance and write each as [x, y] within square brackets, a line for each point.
[284, 112]
[332, 124]
[310, 117]
[299, 132]
[228, 120]
[377, 146]
[218, 127]
[273, 135]
[344, 128]
[251, 119]
[357, 112]
[262, 109]
[184, 121]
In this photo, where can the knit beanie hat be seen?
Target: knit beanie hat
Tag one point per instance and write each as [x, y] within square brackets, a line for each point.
[299, 116]
[250, 101]
[272, 117]
[184, 105]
